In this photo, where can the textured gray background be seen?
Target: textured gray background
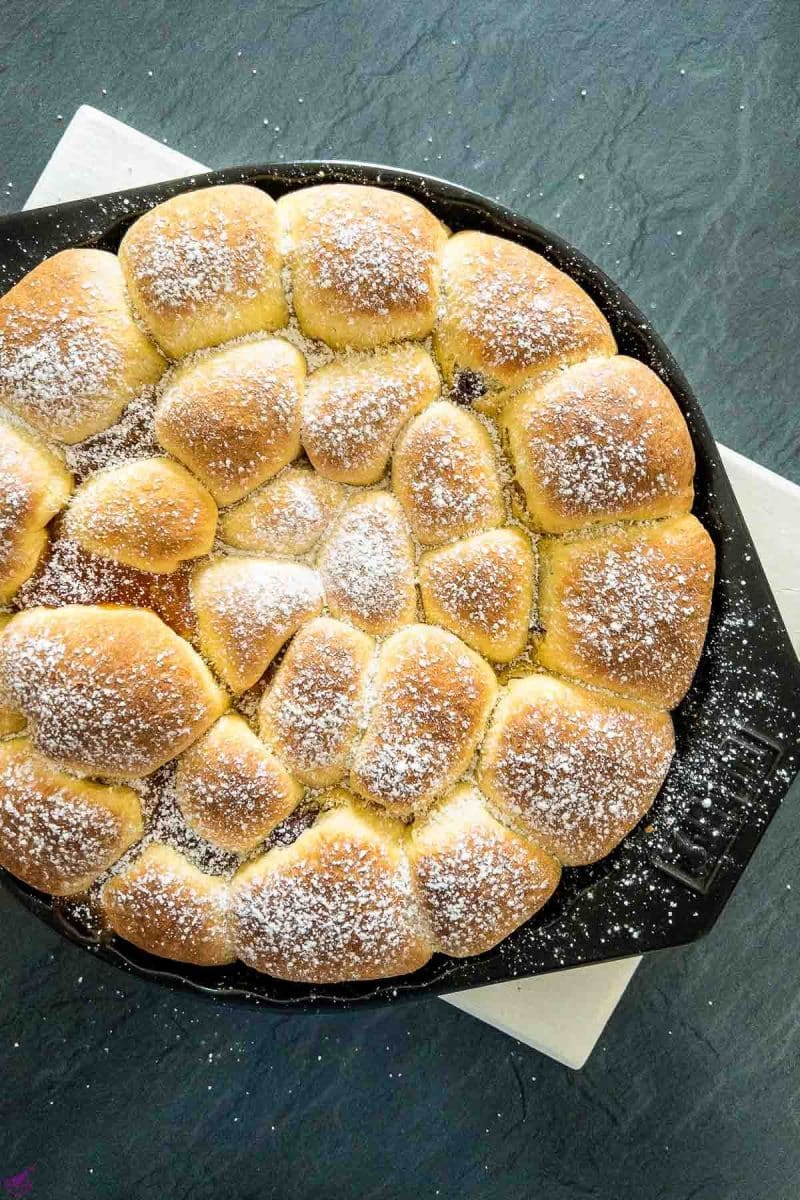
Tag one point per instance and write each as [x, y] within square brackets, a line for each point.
[678, 172]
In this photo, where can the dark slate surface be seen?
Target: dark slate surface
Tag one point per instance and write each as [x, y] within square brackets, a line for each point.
[678, 172]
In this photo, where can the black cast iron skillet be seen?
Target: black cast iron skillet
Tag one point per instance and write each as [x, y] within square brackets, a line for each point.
[737, 732]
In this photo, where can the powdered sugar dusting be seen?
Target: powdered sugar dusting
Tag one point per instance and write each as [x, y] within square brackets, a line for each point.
[352, 414]
[50, 832]
[367, 565]
[371, 264]
[312, 712]
[575, 778]
[56, 369]
[349, 913]
[429, 713]
[180, 268]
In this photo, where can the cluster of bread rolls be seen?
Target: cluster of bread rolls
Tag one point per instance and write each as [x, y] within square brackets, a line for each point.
[385, 585]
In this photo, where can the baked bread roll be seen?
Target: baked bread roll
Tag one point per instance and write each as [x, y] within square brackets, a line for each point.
[575, 770]
[367, 565]
[478, 881]
[287, 516]
[34, 486]
[602, 441]
[11, 721]
[59, 833]
[205, 267]
[355, 407]
[311, 713]
[433, 697]
[166, 906]
[149, 513]
[233, 417]
[71, 356]
[106, 691]
[336, 904]
[628, 610]
[510, 315]
[365, 264]
[444, 475]
[231, 789]
[482, 590]
[246, 609]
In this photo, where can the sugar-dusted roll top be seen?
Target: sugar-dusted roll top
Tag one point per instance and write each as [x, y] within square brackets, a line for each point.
[106, 691]
[59, 833]
[478, 879]
[313, 709]
[482, 588]
[509, 315]
[204, 267]
[148, 513]
[628, 609]
[167, 906]
[247, 608]
[365, 264]
[445, 476]
[603, 441]
[336, 904]
[287, 516]
[574, 770]
[231, 790]
[367, 565]
[71, 355]
[433, 697]
[233, 416]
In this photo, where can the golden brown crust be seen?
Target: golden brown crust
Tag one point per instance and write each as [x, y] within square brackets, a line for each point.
[628, 610]
[231, 789]
[575, 770]
[71, 356]
[149, 513]
[34, 486]
[365, 264]
[204, 267]
[367, 565]
[478, 881]
[481, 589]
[246, 609]
[355, 407]
[59, 833]
[311, 713]
[168, 907]
[233, 417]
[445, 477]
[287, 516]
[433, 697]
[509, 315]
[337, 904]
[106, 691]
[602, 441]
